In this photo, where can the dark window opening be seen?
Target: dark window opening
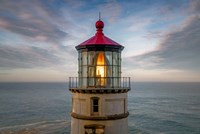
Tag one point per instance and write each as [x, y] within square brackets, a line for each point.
[95, 105]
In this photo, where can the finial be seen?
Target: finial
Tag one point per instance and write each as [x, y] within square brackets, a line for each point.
[99, 25]
[99, 15]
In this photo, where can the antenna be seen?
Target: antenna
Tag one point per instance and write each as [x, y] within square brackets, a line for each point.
[99, 15]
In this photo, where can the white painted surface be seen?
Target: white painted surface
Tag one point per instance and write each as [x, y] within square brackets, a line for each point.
[109, 104]
[111, 127]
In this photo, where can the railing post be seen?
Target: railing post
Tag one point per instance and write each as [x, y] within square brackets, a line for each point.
[69, 82]
[126, 82]
[72, 82]
[122, 82]
[76, 82]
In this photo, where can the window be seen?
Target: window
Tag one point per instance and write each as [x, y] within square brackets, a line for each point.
[94, 129]
[84, 58]
[99, 69]
[91, 58]
[94, 105]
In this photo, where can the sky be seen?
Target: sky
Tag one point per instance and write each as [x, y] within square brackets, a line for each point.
[38, 38]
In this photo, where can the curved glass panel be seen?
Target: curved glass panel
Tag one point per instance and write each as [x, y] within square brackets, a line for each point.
[108, 58]
[84, 58]
[115, 58]
[91, 58]
[99, 68]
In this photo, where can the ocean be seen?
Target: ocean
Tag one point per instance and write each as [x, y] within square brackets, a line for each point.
[154, 107]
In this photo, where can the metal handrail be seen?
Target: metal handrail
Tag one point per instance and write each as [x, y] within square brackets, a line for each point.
[99, 82]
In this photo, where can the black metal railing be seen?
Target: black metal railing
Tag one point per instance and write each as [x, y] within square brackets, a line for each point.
[99, 82]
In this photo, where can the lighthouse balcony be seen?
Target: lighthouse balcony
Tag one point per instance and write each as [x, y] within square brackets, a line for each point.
[99, 84]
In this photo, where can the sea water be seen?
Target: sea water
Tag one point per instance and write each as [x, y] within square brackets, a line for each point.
[154, 107]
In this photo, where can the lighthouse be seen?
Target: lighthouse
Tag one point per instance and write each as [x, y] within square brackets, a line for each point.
[99, 93]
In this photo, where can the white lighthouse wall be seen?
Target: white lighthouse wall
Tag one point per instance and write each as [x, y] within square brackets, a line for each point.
[109, 104]
[111, 126]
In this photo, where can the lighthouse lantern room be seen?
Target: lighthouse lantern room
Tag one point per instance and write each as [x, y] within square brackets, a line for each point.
[99, 93]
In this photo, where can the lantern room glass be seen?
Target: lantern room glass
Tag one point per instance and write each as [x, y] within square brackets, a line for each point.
[99, 69]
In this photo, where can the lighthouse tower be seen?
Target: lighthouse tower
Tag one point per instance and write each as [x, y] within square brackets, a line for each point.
[99, 93]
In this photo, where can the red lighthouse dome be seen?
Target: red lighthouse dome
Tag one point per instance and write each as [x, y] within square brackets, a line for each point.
[99, 40]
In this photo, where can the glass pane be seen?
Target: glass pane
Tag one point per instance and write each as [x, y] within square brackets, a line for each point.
[95, 105]
[80, 82]
[100, 58]
[100, 71]
[91, 75]
[79, 71]
[120, 59]
[84, 58]
[84, 71]
[108, 81]
[108, 71]
[79, 58]
[115, 58]
[115, 71]
[91, 71]
[120, 72]
[95, 109]
[116, 82]
[84, 75]
[91, 58]
[115, 76]
[84, 82]
[95, 102]
[98, 81]
[119, 81]
[108, 58]
[100, 74]
[91, 81]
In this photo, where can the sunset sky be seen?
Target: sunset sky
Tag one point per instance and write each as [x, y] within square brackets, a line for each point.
[161, 37]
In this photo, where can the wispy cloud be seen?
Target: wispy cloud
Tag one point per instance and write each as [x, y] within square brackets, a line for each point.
[33, 20]
[178, 49]
[45, 41]
[23, 56]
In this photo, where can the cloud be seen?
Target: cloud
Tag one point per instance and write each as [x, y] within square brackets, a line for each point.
[195, 6]
[43, 38]
[32, 19]
[178, 50]
[14, 57]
